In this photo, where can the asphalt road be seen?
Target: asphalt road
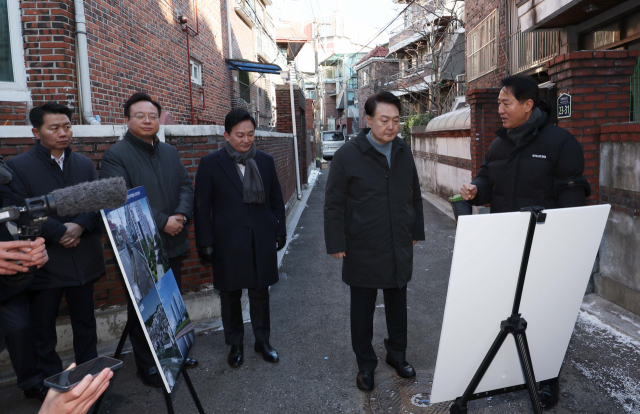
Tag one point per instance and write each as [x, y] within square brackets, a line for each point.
[310, 330]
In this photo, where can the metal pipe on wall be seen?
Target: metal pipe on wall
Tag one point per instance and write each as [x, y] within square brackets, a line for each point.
[186, 29]
[84, 80]
[229, 29]
[295, 140]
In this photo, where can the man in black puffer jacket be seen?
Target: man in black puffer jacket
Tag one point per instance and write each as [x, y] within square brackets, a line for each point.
[531, 163]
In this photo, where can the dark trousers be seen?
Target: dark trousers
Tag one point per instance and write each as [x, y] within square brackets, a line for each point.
[45, 304]
[14, 328]
[363, 306]
[232, 315]
[141, 350]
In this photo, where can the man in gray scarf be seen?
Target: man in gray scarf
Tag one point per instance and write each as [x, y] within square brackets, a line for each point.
[240, 224]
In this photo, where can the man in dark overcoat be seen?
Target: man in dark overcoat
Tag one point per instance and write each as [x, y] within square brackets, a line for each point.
[372, 218]
[531, 163]
[240, 224]
[76, 259]
[143, 160]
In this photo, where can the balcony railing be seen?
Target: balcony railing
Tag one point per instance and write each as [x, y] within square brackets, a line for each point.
[246, 11]
[528, 50]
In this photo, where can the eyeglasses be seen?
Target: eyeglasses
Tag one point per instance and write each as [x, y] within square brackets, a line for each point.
[141, 117]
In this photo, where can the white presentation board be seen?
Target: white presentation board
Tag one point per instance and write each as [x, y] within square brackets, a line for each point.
[484, 273]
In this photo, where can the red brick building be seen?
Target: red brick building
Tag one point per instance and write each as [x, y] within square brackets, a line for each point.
[174, 50]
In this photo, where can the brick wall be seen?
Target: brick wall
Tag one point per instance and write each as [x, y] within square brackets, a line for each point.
[285, 125]
[110, 289]
[475, 13]
[485, 121]
[330, 109]
[442, 159]
[49, 51]
[599, 84]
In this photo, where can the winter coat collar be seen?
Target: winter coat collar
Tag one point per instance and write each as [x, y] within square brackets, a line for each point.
[542, 123]
[45, 153]
[365, 145]
[143, 145]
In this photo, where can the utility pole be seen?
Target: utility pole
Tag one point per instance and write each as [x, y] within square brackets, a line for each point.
[319, 90]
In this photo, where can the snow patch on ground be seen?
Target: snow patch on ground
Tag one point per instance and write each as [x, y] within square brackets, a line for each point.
[615, 376]
[313, 177]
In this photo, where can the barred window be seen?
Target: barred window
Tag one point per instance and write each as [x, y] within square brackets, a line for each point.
[482, 50]
[365, 77]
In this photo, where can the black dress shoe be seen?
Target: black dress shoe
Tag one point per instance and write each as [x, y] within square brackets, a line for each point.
[549, 395]
[236, 356]
[364, 380]
[39, 392]
[268, 353]
[404, 369]
[150, 377]
[190, 363]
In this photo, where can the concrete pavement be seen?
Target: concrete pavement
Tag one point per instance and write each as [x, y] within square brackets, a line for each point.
[310, 329]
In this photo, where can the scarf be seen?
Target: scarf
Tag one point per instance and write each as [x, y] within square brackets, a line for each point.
[253, 190]
[516, 134]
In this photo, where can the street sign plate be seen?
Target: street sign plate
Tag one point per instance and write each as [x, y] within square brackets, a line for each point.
[564, 106]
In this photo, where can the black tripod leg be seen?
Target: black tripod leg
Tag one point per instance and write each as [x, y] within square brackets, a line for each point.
[123, 339]
[192, 390]
[460, 406]
[167, 400]
[527, 369]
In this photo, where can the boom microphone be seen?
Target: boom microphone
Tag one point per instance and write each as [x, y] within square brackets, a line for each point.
[91, 196]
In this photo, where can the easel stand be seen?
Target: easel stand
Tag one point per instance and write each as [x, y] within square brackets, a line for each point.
[167, 396]
[516, 326]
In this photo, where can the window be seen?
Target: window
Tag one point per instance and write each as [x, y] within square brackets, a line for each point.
[196, 72]
[13, 80]
[365, 77]
[622, 34]
[482, 51]
[245, 86]
[350, 99]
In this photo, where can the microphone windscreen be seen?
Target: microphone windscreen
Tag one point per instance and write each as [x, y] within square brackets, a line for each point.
[91, 196]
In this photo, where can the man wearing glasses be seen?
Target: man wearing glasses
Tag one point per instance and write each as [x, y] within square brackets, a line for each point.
[142, 160]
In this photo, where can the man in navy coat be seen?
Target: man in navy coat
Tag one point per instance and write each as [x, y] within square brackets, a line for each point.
[240, 224]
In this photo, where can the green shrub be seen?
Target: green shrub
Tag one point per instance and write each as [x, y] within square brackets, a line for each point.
[416, 120]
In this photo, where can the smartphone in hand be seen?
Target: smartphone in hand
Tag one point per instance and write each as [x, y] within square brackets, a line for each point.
[66, 380]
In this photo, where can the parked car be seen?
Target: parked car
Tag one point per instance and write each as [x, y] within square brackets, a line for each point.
[331, 141]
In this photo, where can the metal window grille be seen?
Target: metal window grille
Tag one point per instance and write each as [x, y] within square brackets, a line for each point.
[482, 49]
[634, 107]
[528, 50]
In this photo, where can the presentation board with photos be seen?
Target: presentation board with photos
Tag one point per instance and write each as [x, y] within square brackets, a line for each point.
[151, 284]
[484, 273]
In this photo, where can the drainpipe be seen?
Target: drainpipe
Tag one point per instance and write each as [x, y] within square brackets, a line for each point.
[295, 139]
[229, 28]
[83, 64]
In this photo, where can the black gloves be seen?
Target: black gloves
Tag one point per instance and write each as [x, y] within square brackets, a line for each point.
[280, 242]
[207, 253]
